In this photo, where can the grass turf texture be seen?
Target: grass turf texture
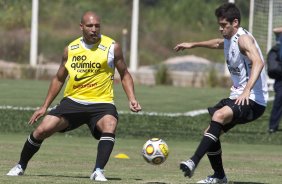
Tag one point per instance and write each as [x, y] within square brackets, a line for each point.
[250, 154]
[159, 98]
[175, 128]
[70, 159]
[155, 98]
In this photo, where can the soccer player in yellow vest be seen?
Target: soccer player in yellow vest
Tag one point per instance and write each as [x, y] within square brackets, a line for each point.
[88, 66]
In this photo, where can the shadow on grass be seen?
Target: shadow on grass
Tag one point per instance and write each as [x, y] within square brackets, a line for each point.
[57, 176]
[242, 182]
[65, 176]
[117, 179]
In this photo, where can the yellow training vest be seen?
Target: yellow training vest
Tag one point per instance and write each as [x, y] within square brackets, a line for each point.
[90, 76]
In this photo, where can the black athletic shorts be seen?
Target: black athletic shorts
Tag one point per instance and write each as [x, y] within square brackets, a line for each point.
[241, 113]
[78, 114]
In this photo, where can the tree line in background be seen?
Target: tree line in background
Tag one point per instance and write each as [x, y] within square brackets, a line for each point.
[162, 24]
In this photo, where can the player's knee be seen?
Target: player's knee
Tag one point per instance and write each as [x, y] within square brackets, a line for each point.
[219, 116]
[41, 133]
[109, 126]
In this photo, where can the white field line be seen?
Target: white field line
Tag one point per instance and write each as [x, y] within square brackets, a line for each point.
[189, 113]
[170, 114]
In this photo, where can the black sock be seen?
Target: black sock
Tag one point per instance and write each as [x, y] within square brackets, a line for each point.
[30, 147]
[210, 137]
[215, 156]
[105, 148]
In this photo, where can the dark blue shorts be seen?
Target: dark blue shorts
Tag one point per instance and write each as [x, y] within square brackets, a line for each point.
[241, 113]
[78, 114]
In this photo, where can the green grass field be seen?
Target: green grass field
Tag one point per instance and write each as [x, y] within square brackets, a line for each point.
[155, 98]
[67, 160]
[251, 156]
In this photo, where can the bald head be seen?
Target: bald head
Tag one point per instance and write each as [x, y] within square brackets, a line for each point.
[90, 27]
[89, 15]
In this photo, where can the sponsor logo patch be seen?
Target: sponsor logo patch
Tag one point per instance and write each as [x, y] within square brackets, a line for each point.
[102, 47]
[74, 47]
[81, 78]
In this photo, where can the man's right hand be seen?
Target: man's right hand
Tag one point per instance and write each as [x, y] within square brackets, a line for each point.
[37, 114]
[183, 46]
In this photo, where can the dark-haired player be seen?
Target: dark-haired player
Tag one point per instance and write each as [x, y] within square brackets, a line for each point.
[248, 97]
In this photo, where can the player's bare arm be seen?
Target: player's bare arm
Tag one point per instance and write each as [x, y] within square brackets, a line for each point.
[277, 30]
[247, 47]
[126, 79]
[55, 86]
[212, 44]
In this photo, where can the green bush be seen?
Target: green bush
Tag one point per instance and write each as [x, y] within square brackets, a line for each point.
[169, 128]
[162, 75]
[213, 78]
[162, 25]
